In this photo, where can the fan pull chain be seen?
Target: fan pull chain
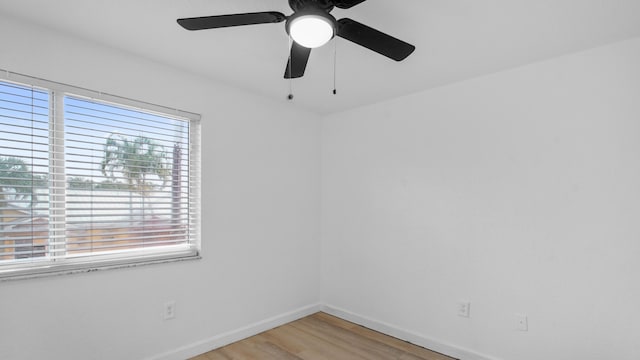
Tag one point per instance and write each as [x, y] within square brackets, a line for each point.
[290, 96]
[335, 61]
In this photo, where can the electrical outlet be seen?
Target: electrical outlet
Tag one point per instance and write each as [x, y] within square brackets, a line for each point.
[169, 310]
[522, 323]
[464, 308]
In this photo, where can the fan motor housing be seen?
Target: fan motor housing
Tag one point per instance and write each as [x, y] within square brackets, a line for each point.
[323, 5]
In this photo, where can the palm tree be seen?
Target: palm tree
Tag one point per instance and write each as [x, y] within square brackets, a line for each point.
[142, 163]
[17, 182]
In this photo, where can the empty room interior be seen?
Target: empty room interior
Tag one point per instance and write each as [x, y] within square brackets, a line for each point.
[460, 175]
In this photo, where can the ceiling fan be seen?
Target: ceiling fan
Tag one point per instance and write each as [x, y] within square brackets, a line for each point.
[311, 25]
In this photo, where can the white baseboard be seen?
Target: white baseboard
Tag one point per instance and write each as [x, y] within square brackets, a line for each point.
[227, 338]
[402, 334]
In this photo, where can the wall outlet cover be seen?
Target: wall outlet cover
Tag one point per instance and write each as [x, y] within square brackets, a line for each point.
[522, 322]
[464, 308]
[169, 310]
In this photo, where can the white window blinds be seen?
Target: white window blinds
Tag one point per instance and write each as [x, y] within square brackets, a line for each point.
[127, 178]
[24, 169]
[87, 181]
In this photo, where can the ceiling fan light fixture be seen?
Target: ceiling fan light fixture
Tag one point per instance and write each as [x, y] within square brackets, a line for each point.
[312, 30]
[310, 26]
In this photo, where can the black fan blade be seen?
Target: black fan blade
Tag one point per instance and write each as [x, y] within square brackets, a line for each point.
[345, 4]
[374, 40]
[220, 21]
[297, 61]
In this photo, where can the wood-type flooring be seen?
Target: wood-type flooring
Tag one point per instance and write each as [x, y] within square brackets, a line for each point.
[321, 337]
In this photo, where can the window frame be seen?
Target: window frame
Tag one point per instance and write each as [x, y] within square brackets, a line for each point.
[115, 259]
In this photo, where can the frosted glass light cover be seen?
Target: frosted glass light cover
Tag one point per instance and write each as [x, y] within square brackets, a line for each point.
[311, 31]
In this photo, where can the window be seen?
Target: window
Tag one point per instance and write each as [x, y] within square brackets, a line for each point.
[90, 180]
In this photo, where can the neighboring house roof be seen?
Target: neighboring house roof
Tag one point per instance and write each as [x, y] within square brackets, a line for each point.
[102, 208]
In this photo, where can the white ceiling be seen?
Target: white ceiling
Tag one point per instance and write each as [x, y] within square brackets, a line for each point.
[455, 40]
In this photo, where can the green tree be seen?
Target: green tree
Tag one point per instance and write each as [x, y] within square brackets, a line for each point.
[111, 185]
[142, 163]
[17, 182]
[80, 183]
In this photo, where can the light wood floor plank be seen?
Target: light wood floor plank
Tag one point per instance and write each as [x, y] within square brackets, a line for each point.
[307, 346]
[417, 351]
[342, 338]
[321, 337]
[215, 356]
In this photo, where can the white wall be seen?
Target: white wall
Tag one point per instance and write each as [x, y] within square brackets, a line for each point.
[261, 196]
[519, 191]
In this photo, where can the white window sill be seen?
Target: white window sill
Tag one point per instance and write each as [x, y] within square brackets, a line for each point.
[86, 268]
